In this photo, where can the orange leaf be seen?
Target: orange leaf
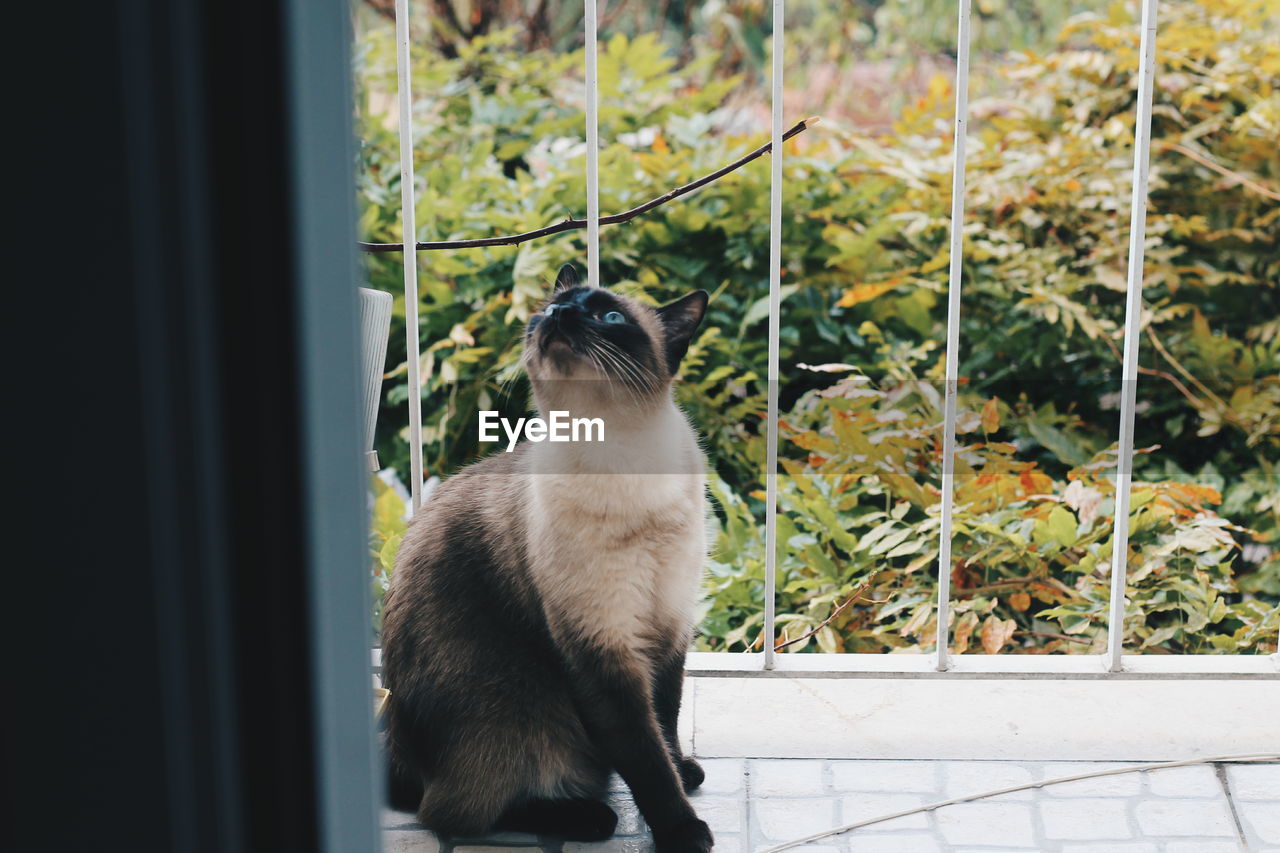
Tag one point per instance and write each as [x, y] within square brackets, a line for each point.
[1071, 185]
[1193, 493]
[1020, 601]
[1035, 482]
[992, 635]
[990, 416]
[964, 630]
[660, 145]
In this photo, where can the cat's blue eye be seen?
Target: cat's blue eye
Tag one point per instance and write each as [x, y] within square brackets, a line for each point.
[614, 317]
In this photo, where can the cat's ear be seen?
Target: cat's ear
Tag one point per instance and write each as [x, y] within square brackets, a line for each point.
[680, 319]
[567, 278]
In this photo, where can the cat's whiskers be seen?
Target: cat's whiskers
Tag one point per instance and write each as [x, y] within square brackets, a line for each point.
[632, 374]
[514, 371]
[504, 387]
[620, 368]
[643, 375]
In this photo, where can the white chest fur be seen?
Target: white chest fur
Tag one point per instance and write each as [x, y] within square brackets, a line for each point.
[620, 555]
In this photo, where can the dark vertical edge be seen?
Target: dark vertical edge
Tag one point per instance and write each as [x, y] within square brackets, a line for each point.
[317, 78]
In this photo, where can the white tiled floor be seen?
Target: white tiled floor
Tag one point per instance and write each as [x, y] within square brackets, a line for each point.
[756, 795]
[754, 803]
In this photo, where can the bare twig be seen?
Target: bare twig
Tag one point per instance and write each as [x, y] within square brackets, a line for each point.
[1177, 365]
[574, 224]
[825, 622]
[1222, 170]
[611, 13]
[1195, 401]
[997, 586]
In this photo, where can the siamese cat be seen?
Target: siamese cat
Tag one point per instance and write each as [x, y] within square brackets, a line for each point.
[542, 601]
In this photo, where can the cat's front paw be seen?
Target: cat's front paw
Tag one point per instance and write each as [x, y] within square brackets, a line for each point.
[691, 836]
[691, 773]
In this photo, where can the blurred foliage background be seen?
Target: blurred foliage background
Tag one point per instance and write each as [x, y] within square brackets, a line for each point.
[498, 110]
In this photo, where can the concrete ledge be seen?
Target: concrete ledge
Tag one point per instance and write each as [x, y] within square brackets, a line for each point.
[1234, 667]
[990, 719]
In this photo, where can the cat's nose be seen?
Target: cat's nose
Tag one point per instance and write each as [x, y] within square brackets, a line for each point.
[561, 310]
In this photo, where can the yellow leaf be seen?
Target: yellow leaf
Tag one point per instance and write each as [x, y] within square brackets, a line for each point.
[939, 86]
[660, 144]
[387, 554]
[1200, 326]
[866, 292]
[388, 515]
[939, 261]
[990, 416]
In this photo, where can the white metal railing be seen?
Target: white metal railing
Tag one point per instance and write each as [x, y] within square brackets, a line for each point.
[775, 309]
[593, 147]
[409, 229]
[960, 136]
[1132, 327]
[1113, 663]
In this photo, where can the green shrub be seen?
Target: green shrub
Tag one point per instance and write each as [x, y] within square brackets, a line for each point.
[859, 521]
[865, 264]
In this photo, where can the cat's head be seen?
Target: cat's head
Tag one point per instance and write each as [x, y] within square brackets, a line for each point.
[624, 350]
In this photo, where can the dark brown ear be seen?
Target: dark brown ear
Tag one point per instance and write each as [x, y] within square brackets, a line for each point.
[567, 278]
[681, 319]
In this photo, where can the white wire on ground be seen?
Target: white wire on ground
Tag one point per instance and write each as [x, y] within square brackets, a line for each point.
[1114, 771]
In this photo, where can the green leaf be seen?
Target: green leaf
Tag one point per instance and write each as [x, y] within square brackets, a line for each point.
[1062, 526]
[1068, 448]
[891, 540]
[760, 308]
[387, 555]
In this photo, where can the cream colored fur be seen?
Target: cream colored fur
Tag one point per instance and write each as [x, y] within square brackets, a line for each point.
[617, 531]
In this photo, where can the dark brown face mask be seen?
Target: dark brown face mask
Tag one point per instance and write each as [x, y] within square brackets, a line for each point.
[627, 341]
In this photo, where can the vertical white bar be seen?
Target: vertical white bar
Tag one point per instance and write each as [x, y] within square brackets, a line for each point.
[961, 131]
[409, 229]
[775, 283]
[1132, 327]
[593, 149]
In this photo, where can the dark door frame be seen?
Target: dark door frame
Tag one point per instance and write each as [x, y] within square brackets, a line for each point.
[191, 576]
